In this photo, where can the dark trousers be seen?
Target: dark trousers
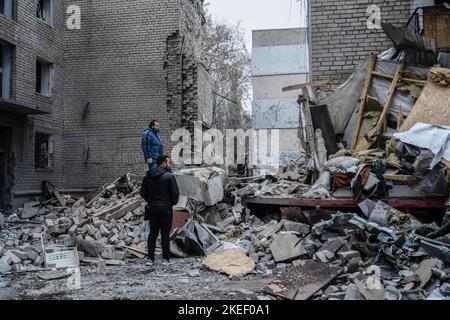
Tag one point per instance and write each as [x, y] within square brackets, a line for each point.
[160, 221]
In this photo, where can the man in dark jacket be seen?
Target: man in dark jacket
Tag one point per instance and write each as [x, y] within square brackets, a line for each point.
[151, 144]
[160, 190]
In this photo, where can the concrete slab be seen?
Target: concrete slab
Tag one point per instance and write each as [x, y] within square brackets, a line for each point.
[287, 247]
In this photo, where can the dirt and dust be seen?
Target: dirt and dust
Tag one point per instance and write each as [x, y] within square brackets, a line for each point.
[186, 280]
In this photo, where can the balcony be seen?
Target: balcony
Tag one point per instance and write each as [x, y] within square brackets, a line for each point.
[14, 107]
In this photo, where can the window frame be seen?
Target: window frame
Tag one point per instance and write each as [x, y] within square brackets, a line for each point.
[11, 7]
[48, 137]
[51, 10]
[50, 65]
[11, 47]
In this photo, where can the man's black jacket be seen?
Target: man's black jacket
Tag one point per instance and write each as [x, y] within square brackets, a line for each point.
[160, 190]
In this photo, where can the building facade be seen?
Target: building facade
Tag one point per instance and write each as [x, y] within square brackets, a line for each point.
[341, 39]
[279, 59]
[74, 102]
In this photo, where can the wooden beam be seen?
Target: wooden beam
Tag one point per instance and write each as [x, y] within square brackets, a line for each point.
[368, 140]
[105, 211]
[398, 177]
[362, 99]
[388, 76]
[313, 84]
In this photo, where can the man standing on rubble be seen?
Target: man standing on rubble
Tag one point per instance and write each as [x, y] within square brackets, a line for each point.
[151, 144]
[160, 190]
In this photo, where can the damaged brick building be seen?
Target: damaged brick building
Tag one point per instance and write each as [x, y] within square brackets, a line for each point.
[74, 102]
[340, 38]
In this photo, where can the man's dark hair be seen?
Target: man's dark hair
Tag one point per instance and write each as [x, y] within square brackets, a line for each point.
[153, 122]
[161, 160]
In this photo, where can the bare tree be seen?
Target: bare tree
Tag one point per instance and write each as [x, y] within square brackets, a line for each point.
[229, 61]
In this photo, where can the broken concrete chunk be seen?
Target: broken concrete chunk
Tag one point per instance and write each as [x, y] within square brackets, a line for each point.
[303, 281]
[270, 229]
[15, 259]
[202, 184]
[20, 254]
[348, 255]
[287, 247]
[332, 245]
[73, 229]
[4, 267]
[104, 231]
[295, 226]
[391, 293]
[324, 256]
[6, 259]
[254, 257]
[352, 293]
[30, 210]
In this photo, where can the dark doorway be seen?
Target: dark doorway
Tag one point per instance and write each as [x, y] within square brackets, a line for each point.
[5, 183]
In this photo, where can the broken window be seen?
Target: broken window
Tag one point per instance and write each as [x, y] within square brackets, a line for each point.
[43, 77]
[44, 11]
[5, 69]
[6, 7]
[43, 151]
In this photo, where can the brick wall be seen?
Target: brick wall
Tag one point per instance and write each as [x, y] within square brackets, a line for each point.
[32, 39]
[341, 39]
[116, 63]
[131, 62]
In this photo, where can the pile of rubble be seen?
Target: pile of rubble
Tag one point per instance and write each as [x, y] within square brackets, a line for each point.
[385, 255]
[105, 226]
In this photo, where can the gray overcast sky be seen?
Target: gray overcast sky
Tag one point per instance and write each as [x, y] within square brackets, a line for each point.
[261, 14]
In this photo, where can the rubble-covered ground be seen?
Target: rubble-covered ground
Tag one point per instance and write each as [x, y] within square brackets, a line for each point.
[186, 279]
[379, 253]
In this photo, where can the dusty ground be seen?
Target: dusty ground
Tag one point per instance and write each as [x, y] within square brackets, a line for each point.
[187, 279]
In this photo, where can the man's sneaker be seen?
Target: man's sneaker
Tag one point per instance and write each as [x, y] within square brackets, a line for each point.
[150, 263]
[168, 262]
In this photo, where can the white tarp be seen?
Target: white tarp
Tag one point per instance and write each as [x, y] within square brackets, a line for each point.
[343, 101]
[431, 137]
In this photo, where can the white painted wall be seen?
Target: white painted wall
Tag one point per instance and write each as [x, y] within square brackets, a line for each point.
[289, 59]
[270, 87]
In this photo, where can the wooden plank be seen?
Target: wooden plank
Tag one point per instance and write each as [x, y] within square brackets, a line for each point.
[124, 210]
[400, 118]
[115, 263]
[368, 141]
[400, 178]
[313, 84]
[362, 99]
[432, 107]
[388, 76]
[105, 212]
[136, 252]
[58, 197]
